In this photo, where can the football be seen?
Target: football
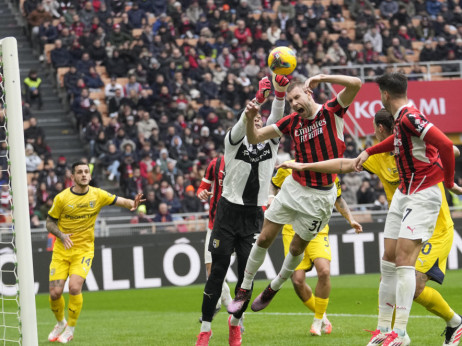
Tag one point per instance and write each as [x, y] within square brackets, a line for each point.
[282, 60]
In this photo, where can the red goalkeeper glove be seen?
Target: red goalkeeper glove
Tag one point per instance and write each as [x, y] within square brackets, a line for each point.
[281, 83]
[264, 89]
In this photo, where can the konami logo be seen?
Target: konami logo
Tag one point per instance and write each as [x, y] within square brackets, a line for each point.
[367, 109]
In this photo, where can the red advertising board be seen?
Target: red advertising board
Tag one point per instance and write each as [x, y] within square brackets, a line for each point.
[440, 101]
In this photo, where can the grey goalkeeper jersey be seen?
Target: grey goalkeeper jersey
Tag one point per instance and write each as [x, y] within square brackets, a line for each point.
[249, 167]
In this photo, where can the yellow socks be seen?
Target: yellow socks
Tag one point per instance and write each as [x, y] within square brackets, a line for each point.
[310, 303]
[432, 300]
[320, 307]
[75, 306]
[57, 306]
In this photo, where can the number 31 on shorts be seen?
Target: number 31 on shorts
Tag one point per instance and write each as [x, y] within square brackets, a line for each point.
[315, 226]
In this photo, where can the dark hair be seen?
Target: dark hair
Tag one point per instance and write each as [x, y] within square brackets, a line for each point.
[78, 163]
[292, 86]
[394, 83]
[384, 118]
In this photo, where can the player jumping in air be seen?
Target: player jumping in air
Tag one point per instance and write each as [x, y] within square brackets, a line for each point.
[317, 254]
[72, 220]
[239, 214]
[306, 199]
[432, 259]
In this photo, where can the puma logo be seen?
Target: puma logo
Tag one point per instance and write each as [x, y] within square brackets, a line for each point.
[411, 229]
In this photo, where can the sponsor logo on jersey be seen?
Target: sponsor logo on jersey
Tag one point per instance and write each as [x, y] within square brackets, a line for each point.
[311, 131]
[254, 154]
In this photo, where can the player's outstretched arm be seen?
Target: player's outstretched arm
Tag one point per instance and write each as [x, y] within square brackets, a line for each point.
[333, 166]
[254, 135]
[130, 203]
[281, 83]
[342, 207]
[346, 96]
[52, 227]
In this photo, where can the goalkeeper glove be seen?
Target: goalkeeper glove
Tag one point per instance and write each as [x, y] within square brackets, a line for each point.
[281, 83]
[264, 89]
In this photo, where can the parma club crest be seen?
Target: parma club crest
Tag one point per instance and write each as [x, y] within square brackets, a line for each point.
[216, 243]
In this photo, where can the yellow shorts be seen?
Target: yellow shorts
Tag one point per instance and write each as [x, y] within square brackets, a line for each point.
[318, 247]
[434, 254]
[72, 261]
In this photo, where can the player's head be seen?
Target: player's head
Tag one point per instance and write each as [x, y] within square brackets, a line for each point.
[300, 101]
[392, 86]
[258, 121]
[81, 173]
[383, 124]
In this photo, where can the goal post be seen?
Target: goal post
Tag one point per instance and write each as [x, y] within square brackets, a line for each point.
[18, 191]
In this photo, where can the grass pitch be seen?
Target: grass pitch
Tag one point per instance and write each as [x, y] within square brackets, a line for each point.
[169, 316]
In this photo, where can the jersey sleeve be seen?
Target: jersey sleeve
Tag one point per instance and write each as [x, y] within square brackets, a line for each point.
[209, 175]
[417, 124]
[371, 164]
[280, 176]
[339, 189]
[56, 208]
[334, 106]
[106, 198]
[283, 126]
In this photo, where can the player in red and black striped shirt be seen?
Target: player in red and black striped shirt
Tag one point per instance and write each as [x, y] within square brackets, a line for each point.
[424, 157]
[306, 199]
[212, 186]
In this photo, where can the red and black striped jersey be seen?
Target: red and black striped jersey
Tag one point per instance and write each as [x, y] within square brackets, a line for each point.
[418, 162]
[213, 178]
[317, 139]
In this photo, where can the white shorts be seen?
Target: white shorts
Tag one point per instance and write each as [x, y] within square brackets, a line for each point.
[207, 254]
[308, 210]
[413, 216]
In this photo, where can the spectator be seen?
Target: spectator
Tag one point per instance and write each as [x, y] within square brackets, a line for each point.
[93, 80]
[141, 217]
[137, 16]
[380, 203]
[33, 132]
[173, 203]
[135, 184]
[110, 89]
[146, 124]
[86, 14]
[396, 53]
[191, 204]
[32, 88]
[36, 18]
[388, 8]
[441, 50]
[97, 52]
[433, 8]
[92, 131]
[286, 6]
[365, 194]
[33, 162]
[111, 162]
[375, 38]
[152, 205]
[60, 56]
[357, 8]
[164, 216]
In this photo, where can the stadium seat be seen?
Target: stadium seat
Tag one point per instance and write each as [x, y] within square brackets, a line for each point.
[137, 32]
[47, 51]
[60, 75]
[101, 70]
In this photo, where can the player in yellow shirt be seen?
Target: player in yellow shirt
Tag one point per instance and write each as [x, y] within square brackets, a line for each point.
[432, 259]
[72, 220]
[317, 253]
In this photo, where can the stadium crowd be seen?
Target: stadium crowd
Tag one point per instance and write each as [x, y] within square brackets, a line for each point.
[175, 76]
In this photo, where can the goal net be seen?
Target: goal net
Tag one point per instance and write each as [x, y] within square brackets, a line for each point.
[17, 297]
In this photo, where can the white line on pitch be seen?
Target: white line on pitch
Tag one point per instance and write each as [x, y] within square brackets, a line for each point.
[336, 315]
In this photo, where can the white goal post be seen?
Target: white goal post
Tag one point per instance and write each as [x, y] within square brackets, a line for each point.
[18, 179]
